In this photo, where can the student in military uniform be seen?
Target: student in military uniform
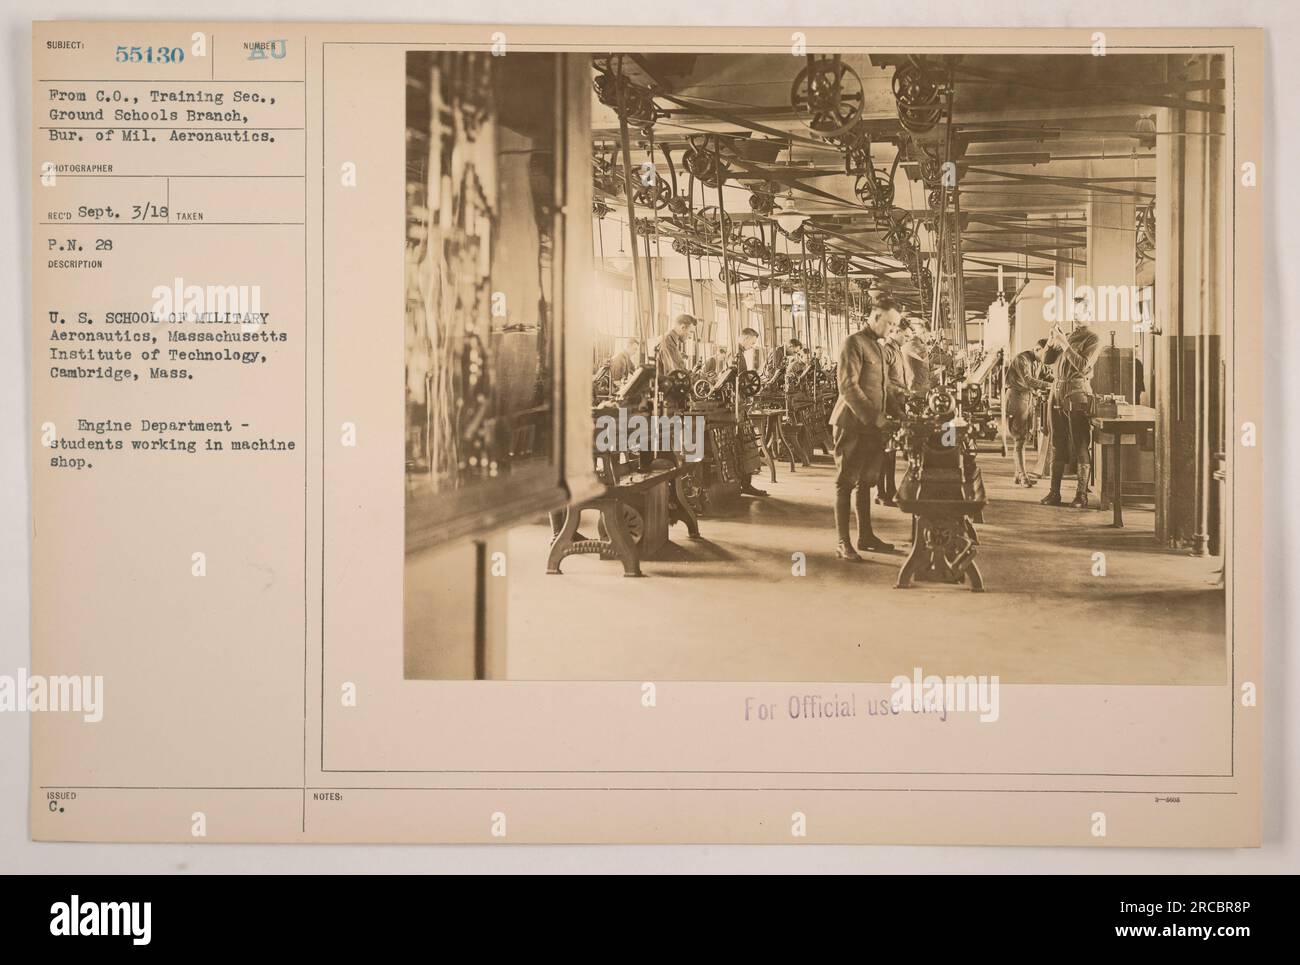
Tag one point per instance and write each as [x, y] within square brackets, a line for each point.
[672, 355]
[718, 363]
[795, 361]
[626, 362]
[916, 355]
[1073, 357]
[750, 356]
[1018, 403]
[868, 393]
[900, 372]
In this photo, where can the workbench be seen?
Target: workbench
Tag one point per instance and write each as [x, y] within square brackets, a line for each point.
[1136, 423]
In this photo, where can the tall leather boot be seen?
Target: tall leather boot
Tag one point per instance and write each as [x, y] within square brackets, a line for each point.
[1080, 500]
[1053, 497]
[867, 539]
[844, 550]
[888, 487]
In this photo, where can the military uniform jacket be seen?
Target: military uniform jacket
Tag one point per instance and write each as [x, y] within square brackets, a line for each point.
[1073, 366]
[620, 367]
[671, 355]
[866, 383]
[1021, 374]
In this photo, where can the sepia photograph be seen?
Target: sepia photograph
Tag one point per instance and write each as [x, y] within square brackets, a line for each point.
[894, 359]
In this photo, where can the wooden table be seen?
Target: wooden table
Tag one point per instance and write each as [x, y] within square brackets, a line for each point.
[1129, 420]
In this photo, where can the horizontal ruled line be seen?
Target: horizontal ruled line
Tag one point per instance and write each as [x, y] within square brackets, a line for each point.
[144, 177]
[168, 80]
[173, 224]
[603, 788]
[136, 127]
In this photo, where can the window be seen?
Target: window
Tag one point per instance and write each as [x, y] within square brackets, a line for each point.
[678, 304]
[627, 326]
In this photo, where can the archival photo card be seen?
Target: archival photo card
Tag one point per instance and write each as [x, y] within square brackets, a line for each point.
[472, 433]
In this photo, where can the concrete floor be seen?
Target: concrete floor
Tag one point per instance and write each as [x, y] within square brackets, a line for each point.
[729, 607]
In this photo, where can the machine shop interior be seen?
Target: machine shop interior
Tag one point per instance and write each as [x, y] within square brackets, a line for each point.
[1040, 241]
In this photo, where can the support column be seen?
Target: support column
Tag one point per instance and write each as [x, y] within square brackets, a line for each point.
[1190, 311]
[1112, 279]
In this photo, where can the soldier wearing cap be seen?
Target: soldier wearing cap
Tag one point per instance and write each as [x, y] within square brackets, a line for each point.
[869, 393]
